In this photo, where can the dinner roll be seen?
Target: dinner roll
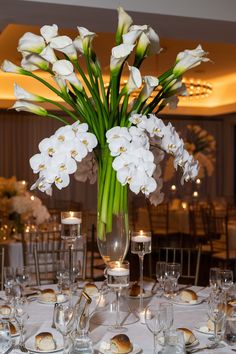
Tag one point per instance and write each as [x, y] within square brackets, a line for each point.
[91, 289]
[210, 326]
[135, 290]
[120, 344]
[189, 337]
[188, 295]
[13, 329]
[5, 310]
[48, 295]
[44, 341]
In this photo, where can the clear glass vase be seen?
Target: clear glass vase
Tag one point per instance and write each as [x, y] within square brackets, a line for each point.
[112, 221]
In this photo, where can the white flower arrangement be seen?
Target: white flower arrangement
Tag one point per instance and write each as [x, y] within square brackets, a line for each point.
[126, 137]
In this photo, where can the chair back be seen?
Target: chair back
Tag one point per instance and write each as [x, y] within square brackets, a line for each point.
[2, 260]
[158, 218]
[46, 260]
[189, 258]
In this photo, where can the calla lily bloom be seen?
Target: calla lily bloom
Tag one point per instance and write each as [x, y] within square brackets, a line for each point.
[65, 45]
[49, 32]
[9, 67]
[29, 107]
[150, 82]
[189, 59]
[134, 80]
[124, 22]
[48, 54]
[33, 62]
[22, 94]
[84, 40]
[63, 67]
[119, 54]
[31, 43]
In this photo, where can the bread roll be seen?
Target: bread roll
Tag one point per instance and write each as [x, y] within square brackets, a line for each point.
[135, 290]
[48, 295]
[189, 337]
[91, 289]
[188, 295]
[120, 344]
[5, 310]
[210, 326]
[13, 329]
[44, 341]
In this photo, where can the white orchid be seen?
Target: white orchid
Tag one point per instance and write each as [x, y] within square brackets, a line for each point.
[89, 140]
[116, 133]
[49, 32]
[49, 146]
[39, 162]
[31, 43]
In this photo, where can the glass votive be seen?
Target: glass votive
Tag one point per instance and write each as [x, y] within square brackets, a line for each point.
[71, 225]
[174, 342]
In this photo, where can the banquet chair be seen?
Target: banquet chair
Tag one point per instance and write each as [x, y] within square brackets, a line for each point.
[97, 264]
[189, 258]
[46, 260]
[2, 259]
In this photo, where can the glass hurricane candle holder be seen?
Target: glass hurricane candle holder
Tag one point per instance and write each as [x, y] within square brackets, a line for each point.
[141, 244]
[71, 225]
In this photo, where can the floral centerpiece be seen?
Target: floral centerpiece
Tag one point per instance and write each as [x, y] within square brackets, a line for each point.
[18, 206]
[202, 146]
[125, 136]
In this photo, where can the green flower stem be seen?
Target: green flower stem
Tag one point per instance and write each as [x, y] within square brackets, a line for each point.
[57, 118]
[112, 196]
[63, 108]
[124, 110]
[103, 91]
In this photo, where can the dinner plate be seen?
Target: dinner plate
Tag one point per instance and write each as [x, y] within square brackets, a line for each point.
[146, 295]
[136, 350]
[202, 328]
[178, 301]
[196, 342]
[30, 343]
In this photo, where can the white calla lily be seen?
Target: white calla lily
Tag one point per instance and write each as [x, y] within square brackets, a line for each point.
[49, 32]
[9, 67]
[31, 43]
[73, 80]
[83, 41]
[22, 94]
[150, 83]
[36, 61]
[134, 80]
[189, 59]
[29, 107]
[61, 82]
[124, 22]
[48, 54]
[131, 36]
[65, 45]
[119, 54]
[63, 67]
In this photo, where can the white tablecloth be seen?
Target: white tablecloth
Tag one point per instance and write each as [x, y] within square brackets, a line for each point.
[184, 316]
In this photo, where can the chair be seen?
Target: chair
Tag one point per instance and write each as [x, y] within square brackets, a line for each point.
[196, 225]
[96, 261]
[189, 258]
[46, 260]
[2, 254]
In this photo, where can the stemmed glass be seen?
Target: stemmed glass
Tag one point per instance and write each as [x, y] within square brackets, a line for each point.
[23, 276]
[21, 315]
[173, 271]
[5, 336]
[168, 316]
[9, 280]
[154, 319]
[217, 311]
[141, 244]
[161, 275]
[214, 277]
[118, 279]
[226, 279]
[60, 269]
[64, 321]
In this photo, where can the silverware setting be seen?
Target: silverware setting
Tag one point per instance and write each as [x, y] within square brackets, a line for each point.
[195, 350]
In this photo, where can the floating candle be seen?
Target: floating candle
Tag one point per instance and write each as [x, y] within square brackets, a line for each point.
[72, 220]
[118, 271]
[141, 238]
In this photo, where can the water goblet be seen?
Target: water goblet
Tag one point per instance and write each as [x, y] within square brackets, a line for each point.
[225, 279]
[161, 275]
[9, 280]
[174, 343]
[141, 244]
[64, 321]
[154, 316]
[214, 277]
[23, 276]
[118, 279]
[60, 269]
[173, 271]
[5, 336]
[217, 311]
[168, 316]
[21, 315]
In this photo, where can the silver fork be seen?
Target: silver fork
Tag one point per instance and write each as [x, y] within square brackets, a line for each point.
[209, 346]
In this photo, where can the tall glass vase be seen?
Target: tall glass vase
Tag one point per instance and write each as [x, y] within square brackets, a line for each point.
[112, 208]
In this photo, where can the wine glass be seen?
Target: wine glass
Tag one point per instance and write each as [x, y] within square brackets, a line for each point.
[64, 321]
[5, 336]
[173, 271]
[217, 311]
[21, 315]
[214, 277]
[60, 269]
[161, 275]
[9, 280]
[154, 319]
[23, 276]
[118, 279]
[225, 279]
[168, 316]
[141, 244]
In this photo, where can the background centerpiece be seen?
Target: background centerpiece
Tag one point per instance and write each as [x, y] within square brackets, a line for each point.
[120, 135]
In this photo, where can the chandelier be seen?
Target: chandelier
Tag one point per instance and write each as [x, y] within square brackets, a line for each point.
[197, 88]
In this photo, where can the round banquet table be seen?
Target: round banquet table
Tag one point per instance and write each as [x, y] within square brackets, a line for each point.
[40, 319]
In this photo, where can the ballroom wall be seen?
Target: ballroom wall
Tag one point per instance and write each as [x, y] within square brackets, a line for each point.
[21, 132]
